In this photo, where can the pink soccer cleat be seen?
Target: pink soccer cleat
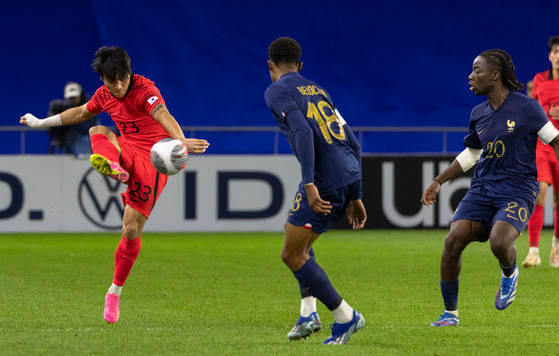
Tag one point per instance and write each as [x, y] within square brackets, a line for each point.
[111, 313]
[108, 168]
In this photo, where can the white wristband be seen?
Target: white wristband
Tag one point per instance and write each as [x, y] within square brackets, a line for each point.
[547, 133]
[50, 121]
[468, 158]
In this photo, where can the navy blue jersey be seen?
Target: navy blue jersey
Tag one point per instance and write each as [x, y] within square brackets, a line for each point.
[508, 137]
[336, 157]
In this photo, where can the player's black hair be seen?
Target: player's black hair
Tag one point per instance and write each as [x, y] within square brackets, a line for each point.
[553, 40]
[285, 50]
[503, 63]
[112, 63]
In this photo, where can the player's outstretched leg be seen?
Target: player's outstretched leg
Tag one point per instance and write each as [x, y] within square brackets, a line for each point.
[108, 168]
[111, 313]
[446, 319]
[507, 290]
[342, 332]
[305, 327]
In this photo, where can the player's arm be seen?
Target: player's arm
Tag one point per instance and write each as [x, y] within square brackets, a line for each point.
[356, 214]
[304, 146]
[555, 144]
[69, 117]
[356, 147]
[549, 135]
[463, 162]
[162, 115]
[554, 112]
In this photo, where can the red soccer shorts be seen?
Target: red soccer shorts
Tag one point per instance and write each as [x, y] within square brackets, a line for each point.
[548, 167]
[145, 183]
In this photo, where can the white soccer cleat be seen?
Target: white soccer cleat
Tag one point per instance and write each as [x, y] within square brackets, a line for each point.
[554, 257]
[532, 260]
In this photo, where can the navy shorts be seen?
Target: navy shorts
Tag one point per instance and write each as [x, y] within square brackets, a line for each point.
[301, 214]
[479, 205]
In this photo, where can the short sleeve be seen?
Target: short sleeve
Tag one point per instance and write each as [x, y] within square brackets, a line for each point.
[94, 105]
[149, 99]
[540, 118]
[472, 139]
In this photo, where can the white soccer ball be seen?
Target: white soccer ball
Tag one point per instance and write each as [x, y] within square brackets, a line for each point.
[169, 156]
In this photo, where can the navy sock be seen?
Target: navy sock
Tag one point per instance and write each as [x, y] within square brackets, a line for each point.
[449, 290]
[313, 277]
[305, 292]
[508, 271]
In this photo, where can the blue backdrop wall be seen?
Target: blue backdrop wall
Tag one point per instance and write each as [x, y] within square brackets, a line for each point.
[402, 63]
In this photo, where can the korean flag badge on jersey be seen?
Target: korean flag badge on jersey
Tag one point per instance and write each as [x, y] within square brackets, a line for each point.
[152, 100]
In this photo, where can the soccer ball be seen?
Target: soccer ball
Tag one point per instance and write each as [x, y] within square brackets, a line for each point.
[169, 156]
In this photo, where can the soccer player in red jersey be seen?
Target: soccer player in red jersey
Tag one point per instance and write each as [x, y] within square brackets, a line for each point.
[546, 90]
[139, 112]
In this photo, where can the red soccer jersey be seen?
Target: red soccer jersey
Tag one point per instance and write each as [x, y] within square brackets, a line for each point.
[546, 91]
[132, 114]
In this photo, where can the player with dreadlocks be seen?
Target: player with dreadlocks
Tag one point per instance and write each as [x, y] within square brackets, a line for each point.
[502, 139]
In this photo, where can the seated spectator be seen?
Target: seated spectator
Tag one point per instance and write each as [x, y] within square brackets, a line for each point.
[72, 139]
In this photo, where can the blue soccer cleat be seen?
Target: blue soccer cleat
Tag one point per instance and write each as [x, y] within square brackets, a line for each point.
[446, 319]
[507, 290]
[305, 327]
[342, 332]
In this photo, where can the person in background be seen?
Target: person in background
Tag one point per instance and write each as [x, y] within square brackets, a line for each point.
[72, 139]
[546, 91]
[529, 86]
[501, 140]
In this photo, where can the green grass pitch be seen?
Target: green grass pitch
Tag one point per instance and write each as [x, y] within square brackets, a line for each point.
[230, 294]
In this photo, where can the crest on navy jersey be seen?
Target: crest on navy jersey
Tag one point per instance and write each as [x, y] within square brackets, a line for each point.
[511, 125]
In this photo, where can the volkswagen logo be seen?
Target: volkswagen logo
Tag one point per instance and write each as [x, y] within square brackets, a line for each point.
[100, 200]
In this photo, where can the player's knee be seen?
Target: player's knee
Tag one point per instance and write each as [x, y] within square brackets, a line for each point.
[130, 231]
[285, 256]
[289, 258]
[499, 246]
[98, 130]
[453, 245]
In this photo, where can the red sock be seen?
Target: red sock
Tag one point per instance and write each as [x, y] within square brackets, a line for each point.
[100, 144]
[555, 223]
[125, 256]
[535, 225]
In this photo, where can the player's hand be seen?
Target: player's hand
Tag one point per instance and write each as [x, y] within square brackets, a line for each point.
[196, 145]
[554, 112]
[321, 207]
[356, 214]
[29, 120]
[431, 193]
